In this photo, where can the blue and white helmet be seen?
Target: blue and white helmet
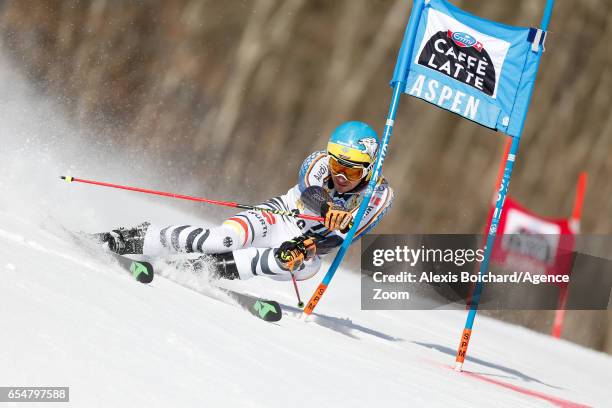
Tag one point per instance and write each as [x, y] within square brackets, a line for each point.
[354, 142]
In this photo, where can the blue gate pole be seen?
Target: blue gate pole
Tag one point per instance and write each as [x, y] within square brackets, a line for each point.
[499, 204]
[401, 70]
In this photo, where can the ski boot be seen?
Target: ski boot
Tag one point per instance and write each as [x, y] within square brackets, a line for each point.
[123, 240]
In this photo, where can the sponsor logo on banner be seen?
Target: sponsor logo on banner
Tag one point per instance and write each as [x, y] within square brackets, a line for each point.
[459, 52]
[530, 236]
[465, 40]
[467, 64]
[532, 242]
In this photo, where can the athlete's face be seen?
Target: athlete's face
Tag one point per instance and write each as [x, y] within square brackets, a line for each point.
[342, 184]
[346, 175]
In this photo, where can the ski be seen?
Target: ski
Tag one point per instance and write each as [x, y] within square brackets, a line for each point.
[142, 271]
[268, 310]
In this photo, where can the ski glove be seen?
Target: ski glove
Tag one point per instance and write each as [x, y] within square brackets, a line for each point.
[336, 218]
[292, 254]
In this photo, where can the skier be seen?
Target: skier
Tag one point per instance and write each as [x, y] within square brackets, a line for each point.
[330, 184]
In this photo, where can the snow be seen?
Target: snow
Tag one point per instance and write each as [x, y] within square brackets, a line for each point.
[73, 318]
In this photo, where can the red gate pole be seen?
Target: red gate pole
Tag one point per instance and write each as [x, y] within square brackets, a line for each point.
[557, 327]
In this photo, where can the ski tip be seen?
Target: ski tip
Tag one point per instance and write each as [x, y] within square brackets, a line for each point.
[267, 310]
[142, 271]
[67, 178]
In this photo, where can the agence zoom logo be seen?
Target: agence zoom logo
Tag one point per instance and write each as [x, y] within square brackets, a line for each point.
[460, 56]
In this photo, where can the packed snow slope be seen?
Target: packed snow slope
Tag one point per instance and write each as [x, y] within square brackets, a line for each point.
[74, 318]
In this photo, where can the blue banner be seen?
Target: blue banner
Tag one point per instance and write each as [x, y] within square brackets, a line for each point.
[476, 68]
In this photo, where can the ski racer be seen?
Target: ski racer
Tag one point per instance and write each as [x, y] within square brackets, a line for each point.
[252, 243]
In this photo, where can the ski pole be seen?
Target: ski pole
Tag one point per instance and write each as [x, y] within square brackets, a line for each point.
[295, 286]
[198, 199]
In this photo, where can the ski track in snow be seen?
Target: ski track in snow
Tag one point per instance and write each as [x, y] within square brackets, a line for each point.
[74, 318]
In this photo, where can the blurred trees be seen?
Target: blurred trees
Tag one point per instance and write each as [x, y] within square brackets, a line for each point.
[244, 90]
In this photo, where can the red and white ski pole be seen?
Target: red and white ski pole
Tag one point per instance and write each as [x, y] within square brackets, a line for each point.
[198, 199]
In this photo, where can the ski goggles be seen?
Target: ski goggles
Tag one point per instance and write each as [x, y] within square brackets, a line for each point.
[351, 171]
